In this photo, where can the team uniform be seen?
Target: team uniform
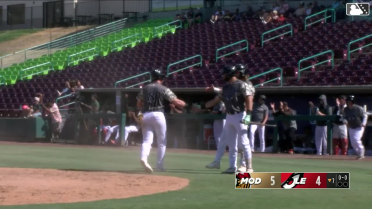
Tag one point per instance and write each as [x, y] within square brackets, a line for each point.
[356, 119]
[153, 123]
[321, 128]
[339, 131]
[260, 111]
[234, 132]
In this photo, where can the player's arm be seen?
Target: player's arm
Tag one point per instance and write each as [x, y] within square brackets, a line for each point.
[172, 98]
[213, 102]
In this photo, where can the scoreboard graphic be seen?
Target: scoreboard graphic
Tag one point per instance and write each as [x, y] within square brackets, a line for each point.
[292, 180]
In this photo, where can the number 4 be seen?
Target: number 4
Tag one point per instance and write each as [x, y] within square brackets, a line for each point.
[318, 181]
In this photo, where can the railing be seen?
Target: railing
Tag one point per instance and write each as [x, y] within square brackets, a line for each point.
[245, 48]
[2, 80]
[200, 63]
[161, 29]
[133, 77]
[326, 16]
[63, 97]
[316, 64]
[349, 51]
[62, 43]
[122, 42]
[277, 36]
[83, 58]
[22, 73]
[271, 80]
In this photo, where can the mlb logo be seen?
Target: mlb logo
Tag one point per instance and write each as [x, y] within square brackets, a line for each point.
[357, 9]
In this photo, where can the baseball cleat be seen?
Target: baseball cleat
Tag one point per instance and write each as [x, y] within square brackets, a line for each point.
[360, 157]
[213, 165]
[230, 170]
[249, 170]
[242, 169]
[147, 167]
[160, 170]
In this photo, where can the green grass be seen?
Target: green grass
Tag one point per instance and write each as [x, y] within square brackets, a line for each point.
[13, 34]
[207, 189]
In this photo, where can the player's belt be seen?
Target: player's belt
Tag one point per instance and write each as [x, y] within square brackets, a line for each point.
[155, 109]
[233, 112]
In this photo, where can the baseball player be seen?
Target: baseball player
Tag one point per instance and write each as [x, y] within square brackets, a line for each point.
[339, 130]
[218, 124]
[151, 100]
[260, 114]
[238, 99]
[356, 121]
[321, 125]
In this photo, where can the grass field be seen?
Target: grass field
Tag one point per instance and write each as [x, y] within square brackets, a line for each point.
[207, 189]
[13, 34]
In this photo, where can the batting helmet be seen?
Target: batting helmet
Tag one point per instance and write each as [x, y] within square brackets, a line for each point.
[241, 68]
[228, 72]
[350, 98]
[157, 74]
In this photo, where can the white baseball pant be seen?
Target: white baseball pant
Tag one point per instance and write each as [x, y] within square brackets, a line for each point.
[235, 133]
[110, 131]
[217, 130]
[355, 135]
[128, 130]
[321, 140]
[261, 135]
[154, 124]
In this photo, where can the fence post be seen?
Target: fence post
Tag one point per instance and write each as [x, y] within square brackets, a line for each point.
[122, 129]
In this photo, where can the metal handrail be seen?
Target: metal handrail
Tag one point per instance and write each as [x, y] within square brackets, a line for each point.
[125, 38]
[324, 12]
[184, 60]
[68, 41]
[275, 29]
[63, 97]
[319, 63]
[168, 24]
[132, 77]
[81, 52]
[246, 48]
[354, 41]
[21, 73]
[271, 80]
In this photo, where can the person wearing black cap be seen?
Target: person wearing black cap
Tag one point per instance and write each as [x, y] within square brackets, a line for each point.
[339, 131]
[151, 100]
[356, 118]
[321, 125]
[238, 99]
[260, 114]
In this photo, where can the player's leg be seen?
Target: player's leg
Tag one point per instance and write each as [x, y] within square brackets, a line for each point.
[261, 133]
[356, 142]
[318, 140]
[344, 144]
[252, 131]
[148, 136]
[231, 135]
[324, 140]
[245, 144]
[217, 130]
[160, 128]
[336, 139]
[108, 133]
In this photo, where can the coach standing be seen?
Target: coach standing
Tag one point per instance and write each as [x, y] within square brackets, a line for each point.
[151, 100]
[238, 99]
[356, 120]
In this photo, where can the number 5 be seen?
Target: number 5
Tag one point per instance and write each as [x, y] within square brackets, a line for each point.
[272, 180]
[318, 181]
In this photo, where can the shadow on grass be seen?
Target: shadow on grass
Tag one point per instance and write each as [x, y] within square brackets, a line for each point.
[141, 171]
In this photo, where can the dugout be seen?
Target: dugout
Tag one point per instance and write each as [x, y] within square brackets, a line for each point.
[187, 130]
